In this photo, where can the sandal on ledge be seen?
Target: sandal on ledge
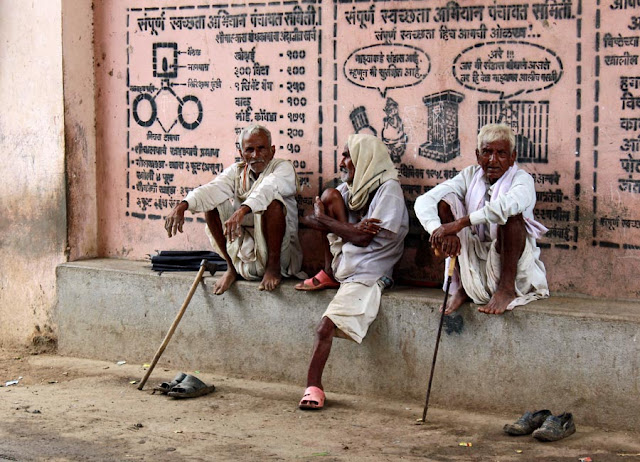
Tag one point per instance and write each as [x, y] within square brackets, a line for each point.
[318, 282]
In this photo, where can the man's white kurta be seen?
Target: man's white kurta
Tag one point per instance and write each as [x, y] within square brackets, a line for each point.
[360, 269]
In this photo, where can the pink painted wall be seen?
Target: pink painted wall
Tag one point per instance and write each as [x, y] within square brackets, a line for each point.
[176, 80]
[80, 128]
[32, 191]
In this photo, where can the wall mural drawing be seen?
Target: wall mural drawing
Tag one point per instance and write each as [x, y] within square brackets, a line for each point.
[443, 142]
[393, 134]
[423, 75]
[165, 67]
[529, 121]
[360, 121]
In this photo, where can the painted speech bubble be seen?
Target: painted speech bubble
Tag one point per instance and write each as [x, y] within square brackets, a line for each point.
[508, 68]
[387, 66]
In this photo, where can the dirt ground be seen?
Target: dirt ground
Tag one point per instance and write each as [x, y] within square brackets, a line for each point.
[66, 409]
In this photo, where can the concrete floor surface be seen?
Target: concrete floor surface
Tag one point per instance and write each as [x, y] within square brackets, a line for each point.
[72, 409]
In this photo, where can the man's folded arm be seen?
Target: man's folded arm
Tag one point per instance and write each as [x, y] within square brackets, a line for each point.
[426, 206]
[349, 232]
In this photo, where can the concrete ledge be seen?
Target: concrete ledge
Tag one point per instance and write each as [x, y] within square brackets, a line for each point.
[573, 354]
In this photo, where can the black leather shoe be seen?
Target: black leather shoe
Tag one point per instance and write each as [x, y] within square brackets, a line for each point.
[556, 428]
[526, 424]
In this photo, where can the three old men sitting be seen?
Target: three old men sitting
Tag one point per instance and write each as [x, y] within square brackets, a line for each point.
[484, 216]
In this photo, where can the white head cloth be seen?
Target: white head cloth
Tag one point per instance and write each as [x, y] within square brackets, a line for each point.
[373, 166]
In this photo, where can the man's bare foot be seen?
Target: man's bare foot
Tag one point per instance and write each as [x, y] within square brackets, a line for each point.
[498, 303]
[456, 301]
[270, 280]
[226, 281]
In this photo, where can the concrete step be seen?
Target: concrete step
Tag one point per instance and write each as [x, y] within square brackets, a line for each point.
[564, 354]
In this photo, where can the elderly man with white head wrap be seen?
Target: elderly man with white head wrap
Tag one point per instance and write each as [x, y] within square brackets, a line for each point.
[365, 220]
[484, 215]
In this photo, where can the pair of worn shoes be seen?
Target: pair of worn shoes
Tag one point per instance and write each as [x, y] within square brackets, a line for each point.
[184, 386]
[543, 425]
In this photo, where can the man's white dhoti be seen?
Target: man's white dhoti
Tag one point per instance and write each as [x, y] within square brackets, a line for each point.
[353, 309]
[356, 304]
[236, 186]
[480, 266]
[249, 252]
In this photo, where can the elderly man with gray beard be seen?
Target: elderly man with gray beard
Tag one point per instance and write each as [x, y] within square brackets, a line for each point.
[251, 214]
[365, 221]
[484, 216]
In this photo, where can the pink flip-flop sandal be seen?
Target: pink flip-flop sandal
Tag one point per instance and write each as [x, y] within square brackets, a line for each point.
[324, 281]
[313, 399]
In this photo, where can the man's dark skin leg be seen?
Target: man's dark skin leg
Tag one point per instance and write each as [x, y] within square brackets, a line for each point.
[460, 297]
[510, 245]
[321, 349]
[334, 207]
[214, 223]
[274, 225]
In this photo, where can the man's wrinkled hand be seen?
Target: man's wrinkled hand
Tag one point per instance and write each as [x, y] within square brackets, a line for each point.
[175, 221]
[445, 239]
[447, 229]
[449, 246]
[369, 226]
[233, 226]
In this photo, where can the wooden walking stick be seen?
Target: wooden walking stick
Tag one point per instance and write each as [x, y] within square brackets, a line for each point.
[204, 265]
[452, 265]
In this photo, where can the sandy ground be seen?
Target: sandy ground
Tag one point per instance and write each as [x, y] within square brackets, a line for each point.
[77, 409]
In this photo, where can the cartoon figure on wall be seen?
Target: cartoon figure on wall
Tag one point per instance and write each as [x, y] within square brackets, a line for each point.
[443, 141]
[393, 134]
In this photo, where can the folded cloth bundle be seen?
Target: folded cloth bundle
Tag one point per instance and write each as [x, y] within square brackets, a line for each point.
[185, 260]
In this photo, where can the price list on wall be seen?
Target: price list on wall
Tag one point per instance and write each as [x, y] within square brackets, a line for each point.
[198, 74]
[616, 179]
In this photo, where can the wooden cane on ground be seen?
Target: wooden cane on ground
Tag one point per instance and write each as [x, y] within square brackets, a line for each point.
[452, 265]
[204, 265]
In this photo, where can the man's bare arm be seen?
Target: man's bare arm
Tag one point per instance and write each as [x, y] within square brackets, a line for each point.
[359, 234]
